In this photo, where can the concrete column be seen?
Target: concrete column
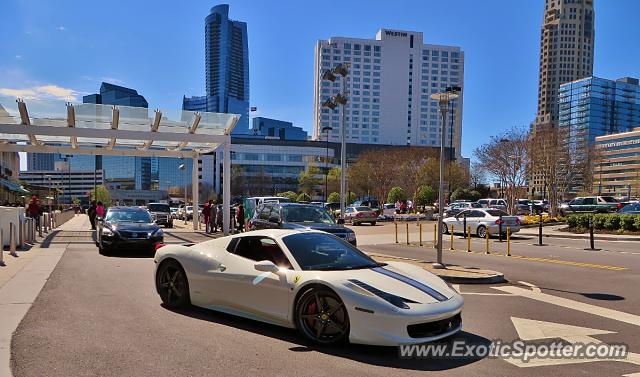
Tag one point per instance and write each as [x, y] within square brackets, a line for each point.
[226, 187]
[194, 192]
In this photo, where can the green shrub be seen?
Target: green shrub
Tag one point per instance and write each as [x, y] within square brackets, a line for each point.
[636, 222]
[627, 222]
[599, 220]
[612, 222]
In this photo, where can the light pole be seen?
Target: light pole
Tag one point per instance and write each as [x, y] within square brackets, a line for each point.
[183, 168]
[341, 69]
[443, 101]
[326, 163]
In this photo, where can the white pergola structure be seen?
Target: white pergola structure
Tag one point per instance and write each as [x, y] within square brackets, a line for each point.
[43, 126]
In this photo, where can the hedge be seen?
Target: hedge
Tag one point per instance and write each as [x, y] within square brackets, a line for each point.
[610, 221]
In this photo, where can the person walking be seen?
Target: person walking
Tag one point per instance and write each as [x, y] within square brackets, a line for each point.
[100, 210]
[91, 212]
[240, 218]
[206, 211]
[34, 210]
[213, 217]
[219, 216]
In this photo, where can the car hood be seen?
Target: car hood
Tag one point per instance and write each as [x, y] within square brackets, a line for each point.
[317, 226]
[398, 278]
[133, 227]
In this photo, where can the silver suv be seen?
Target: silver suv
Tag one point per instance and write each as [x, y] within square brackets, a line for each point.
[161, 214]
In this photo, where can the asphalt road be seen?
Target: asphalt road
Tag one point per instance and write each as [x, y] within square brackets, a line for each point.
[101, 316]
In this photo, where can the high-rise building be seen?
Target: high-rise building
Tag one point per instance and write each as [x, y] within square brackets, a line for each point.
[226, 69]
[618, 169]
[593, 107]
[273, 128]
[111, 94]
[566, 51]
[390, 80]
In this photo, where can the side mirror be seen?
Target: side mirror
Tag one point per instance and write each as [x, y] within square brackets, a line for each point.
[340, 222]
[266, 266]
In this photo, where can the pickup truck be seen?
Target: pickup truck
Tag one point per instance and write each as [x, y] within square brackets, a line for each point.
[591, 204]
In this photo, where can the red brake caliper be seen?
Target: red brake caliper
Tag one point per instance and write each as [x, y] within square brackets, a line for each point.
[311, 309]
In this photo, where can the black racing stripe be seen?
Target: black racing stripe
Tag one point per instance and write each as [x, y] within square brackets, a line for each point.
[416, 284]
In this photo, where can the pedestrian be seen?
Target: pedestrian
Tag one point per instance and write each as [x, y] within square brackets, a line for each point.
[240, 218]
[213, 217]
[100, 210]
[206, 211]
[34, 210]
[219, 216]
[91, 212]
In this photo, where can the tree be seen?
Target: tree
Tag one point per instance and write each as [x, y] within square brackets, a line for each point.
[101, 194]
[333, 197]
[308, 180]
[395, 194]
[465, 194]
[238, 183]
[289, 195]
[333, 179]
[304, 197]
[505, 157]
[425, 196]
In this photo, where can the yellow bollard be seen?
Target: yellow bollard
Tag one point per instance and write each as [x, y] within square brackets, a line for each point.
[435, 236]
[396, 224]
[508, 242]
[469, 238]
[487, 238]
[407, 233]
[451, 246]
[420, 230]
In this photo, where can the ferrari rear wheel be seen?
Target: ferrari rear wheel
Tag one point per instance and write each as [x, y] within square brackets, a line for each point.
[172, 285]
[322, 317]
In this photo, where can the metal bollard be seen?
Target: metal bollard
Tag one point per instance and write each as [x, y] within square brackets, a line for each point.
[487, 242]
[40, 227]
[591, 239]
[396, 225]
[13, 235]
[407, 232]
[2, 247]
[21, 231]
[420, 230]
[500, 228]
[435, 236]
[468, 238]
[508, 241]
[451, 245]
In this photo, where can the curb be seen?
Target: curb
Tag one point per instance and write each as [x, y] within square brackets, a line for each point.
[486, 277]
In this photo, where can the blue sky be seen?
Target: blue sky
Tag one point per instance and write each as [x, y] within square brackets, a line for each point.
[66, 48]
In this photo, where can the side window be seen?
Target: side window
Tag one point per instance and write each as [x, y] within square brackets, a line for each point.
[589, 201]
[232, 245]
[261, 248]
[476, 214]
[275, 212]
[349, 210]
[576, 202]
[493, 202]
[264, 213]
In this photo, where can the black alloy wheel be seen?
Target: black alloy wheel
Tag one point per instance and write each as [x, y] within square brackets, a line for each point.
[172, 285]
[322, 317]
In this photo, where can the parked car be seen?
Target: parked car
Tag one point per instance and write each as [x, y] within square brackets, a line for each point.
[298, 216]
[482, 221]
[458, 207]
[174, 212]
[359, 215]
[388, 210]
[333, 208]
[493, 203]
[591, 204]
[161, 214]
[128, 227]
[630, 209]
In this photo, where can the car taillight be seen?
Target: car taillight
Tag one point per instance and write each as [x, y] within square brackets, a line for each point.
[159, 245]
[498, 222]
[360, 214]
[619, 205]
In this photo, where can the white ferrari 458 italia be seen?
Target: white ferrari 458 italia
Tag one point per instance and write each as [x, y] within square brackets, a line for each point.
[313, 281]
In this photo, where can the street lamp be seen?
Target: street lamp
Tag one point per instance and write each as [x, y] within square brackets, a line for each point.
[341, 69]
[183, 168]
[443, 101]
[326, 162]
[456, 90]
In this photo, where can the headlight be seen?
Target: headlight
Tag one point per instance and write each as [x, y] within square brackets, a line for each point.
[351, 236]
[157, 233]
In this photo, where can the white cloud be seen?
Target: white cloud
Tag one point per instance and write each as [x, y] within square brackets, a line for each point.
[62, 28]
[18, 56]
[43, 92]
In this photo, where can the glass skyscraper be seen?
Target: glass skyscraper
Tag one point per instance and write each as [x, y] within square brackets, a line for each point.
[226, 69]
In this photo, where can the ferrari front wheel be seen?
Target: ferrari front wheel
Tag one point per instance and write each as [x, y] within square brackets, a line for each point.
[322, 317]
[172, 285]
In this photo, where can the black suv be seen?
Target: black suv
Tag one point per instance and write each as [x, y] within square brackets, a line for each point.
[161, 213]
[298, 216]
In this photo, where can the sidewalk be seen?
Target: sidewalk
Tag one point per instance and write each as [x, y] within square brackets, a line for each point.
[22, 279]
[554, 231]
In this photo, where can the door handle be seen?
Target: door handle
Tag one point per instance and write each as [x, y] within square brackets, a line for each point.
[222, 267]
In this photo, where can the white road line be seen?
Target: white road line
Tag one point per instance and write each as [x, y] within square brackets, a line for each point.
[572, 304]
[533, 287]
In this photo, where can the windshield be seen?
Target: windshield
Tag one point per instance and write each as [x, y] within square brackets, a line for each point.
[128, 216]
[159, 208]
[189, 208]
[361, 209]
[496, 212]
[631, 207]
[305, 214]
[317, 251]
